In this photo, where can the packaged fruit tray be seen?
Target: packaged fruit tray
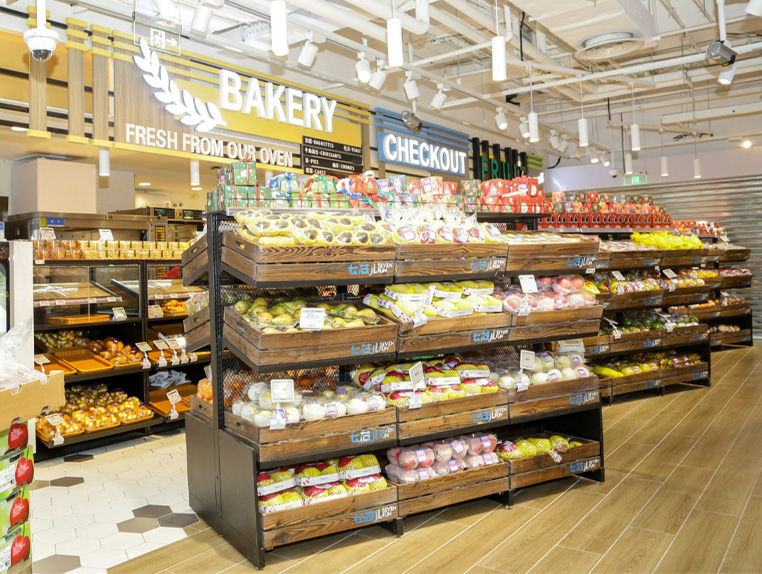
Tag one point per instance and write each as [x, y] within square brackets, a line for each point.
[83, 361]
[321, 518]
[454, 261]
[452, 415]
[77, 319]
[425, 495]
[376, 430]
[305, 264]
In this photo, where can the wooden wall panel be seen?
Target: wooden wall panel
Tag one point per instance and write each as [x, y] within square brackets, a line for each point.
[76, 87]
[100, 89]
[38, 100]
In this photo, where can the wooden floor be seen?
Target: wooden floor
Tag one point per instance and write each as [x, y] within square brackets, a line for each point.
[683, 493]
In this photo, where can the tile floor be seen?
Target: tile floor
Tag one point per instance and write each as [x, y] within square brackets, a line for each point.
[109, 505]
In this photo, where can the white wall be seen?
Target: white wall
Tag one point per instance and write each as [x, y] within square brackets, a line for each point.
[116, 192]
[714, 165]
[55, 186]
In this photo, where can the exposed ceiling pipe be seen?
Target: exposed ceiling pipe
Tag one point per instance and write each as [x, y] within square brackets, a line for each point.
[383, 9]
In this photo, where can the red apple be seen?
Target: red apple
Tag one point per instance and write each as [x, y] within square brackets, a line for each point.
[18, 436]
[20, 549]
[321, 466]
[24, 471]
[19, 511]
[263, 476]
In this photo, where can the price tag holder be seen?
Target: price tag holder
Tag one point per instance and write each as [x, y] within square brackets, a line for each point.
[617, 275]
[56, 419]
[528, 283]
[590, 270]
[106, 235]
[282, 390]
[192, 357]
[521, 386]
[162, 346]
[174, 397]
[572, 346]
[173, 344]
[183, 357]
[416, 374]
[415, 402]
[92, 301]
[119, 314]
[155, 312]
[47, 233]
[312, 318]
[144, 348]
[41, 360]
[669, 274]
[278, 422]
[527, 360]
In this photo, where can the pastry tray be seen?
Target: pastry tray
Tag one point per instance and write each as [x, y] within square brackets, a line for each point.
[75, 358]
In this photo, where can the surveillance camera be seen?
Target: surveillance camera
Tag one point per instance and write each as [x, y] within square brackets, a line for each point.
[41, 42]
[412, 121]
[614, 173]
[721, 52]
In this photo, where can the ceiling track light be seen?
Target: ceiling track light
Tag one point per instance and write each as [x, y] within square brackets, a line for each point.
[746, 143]
[364, 73]
[411, 87]
[308, 53]
[379, 77]
[201, 18]
[279, 28]
[167, 10]
[754, 7]
[524, 128]
[500, 119]
[727, 73]
[564, 144]
[579, 153]
[554, 140]
[439, 98]
[594, 158]
[605, 159]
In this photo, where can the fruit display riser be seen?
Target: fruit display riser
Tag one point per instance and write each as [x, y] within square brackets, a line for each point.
[225, 457]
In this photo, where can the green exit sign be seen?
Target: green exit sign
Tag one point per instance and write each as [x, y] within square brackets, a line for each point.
[636, 179]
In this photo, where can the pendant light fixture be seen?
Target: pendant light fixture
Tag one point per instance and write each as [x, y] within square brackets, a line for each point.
[534, 124]
[195, 175]
[582, 122]
[628, 163]
[696, 160]
[104, 162]
[634, 128]
[394, 46]
[279, 28]
[605, 159]
[498, 52]
[664, 162]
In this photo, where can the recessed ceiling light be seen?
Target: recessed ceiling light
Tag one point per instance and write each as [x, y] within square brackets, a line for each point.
[196, 188]
[144, 183]
[19, 129]
[746, 143]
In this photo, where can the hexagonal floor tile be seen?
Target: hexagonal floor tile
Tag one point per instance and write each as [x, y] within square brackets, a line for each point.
[122, 540]
[38, 484]
[96, 531]
[105, 558]
[152, 511]
[56, 564]
[139, 525]
[78, 457]
[178, 520]
[67, 481]
[77, 546]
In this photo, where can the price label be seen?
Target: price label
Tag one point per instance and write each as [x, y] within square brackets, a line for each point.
[282, 390]
[106, 235]
[44, 303]
[174, 397]
[590, 270]
[312, 318]
[60, 302]
[528, 283]
[112, 299]
[527, 360]
[119, 314]
[159, 296]
[174, 344]
[618, 275]
[161, 345]
[5, 558]
[415, 402]
[521, 386]
[41, 360]
[47, 233]
[55, 419]
[669, 274]
[145, 347]
[416, 374]
[277, 422]
[155, 312]
[92, 301]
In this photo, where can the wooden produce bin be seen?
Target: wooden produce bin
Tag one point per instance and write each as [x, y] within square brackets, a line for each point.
[712, 282]
[735, 310]
[288, 265]
[546, 400]
[553, 325]
[443, 334]
[596, 345]
[736, 338]
[735, 254]
[631, 300]
[195, 262]
[532, 470]
[620, 260]
[451, 260]
[322, 518]
[684, 335]
[425, 495]
[739, 282]
[317, 439]
[201, 408]
[692, 374]
[634, 383]
[686, 295]
[565, 257]
[328, 346]
[453, 416]
[683, 257]
[641, 341]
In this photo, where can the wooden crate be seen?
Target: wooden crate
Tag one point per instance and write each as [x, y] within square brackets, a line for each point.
[683, 258]
[554, 331]
[712, 282]
[374, 430]
[644, 340]
[690, 374]
[308, 264]
[631, 300]
[588, 449]
[554, 472]
[202, 408]
[736, 282]
[552, 257]
[633, 383]
[198, 338]
[459, 260]
[735, 310]
[329, 517]
[684, 335]
[425, 495]
[195, 267]
[735, 254]
[454, 415]
[634, 259]
[539, 401]
[742, 336]
[268, 349]
[197, 319]
[445, 334]
[559, 316]
[194, 250]
[686, 295]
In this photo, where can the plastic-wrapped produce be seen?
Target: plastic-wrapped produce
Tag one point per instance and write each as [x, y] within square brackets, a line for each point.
[442, 451]
[507, 450]
[279, 501]
[323, 492]
[459, 447]
[474, 461]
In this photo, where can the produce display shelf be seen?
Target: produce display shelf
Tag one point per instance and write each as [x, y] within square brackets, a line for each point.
[121, 429]
[744, 336]
[196, 269]
[542, 401]
[683, 258]
[202, 317]
[489, 217]
[426, 495]
[645, 341]
[692, 374]
[735, 255]
[201, 408]
[562, 470]
[686, 295]
[104, 262]
[454, 261]
[624, 260]
[566, 257]
[631, 300]
[540, 468]
[740, 282]
[167, 319]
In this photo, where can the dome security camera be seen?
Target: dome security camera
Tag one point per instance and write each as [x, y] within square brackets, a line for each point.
[41, 43]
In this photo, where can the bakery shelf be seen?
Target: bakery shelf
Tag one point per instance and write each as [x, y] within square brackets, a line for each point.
[83, 326]
[158, 289]
[90, 436]
[51, 295]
